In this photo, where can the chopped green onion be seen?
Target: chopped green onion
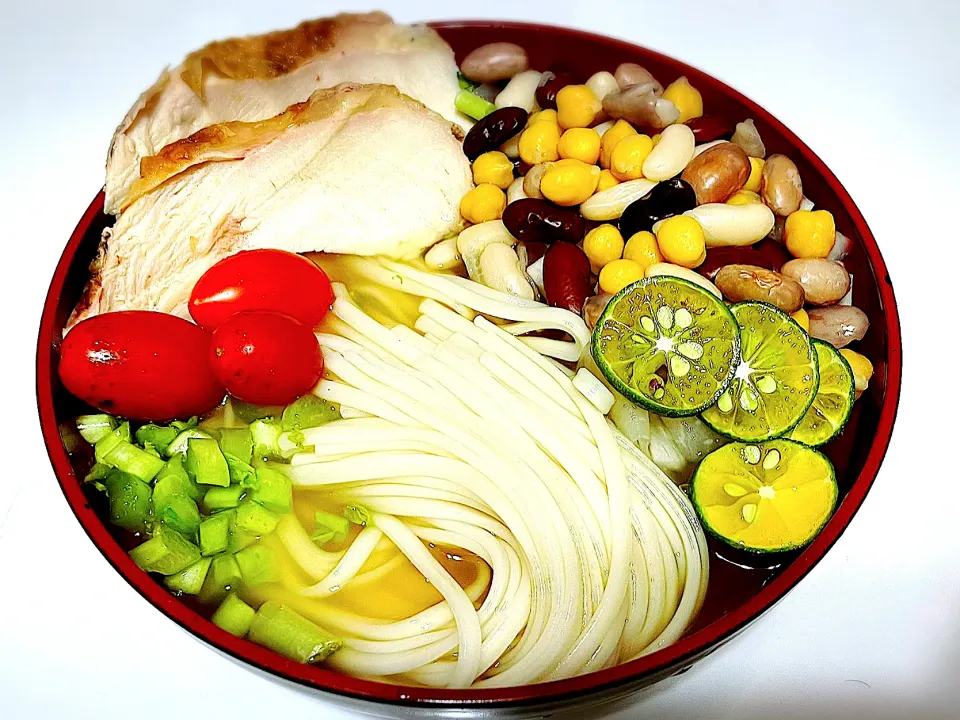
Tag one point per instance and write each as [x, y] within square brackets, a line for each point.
[465, 83]
[179, 445]
[255, 518]
[129, 498]
[257, 565]
[205, 462]
[308, 411]
[357, 514]
[266, 438]
[189, 581]
[218, 498]
[215, 534]
[223, 577]
[282, 630]
[121, 454]
[234, 616]
[473, 105]
[237, 442]
[157, 436]
[180, 513]
[173, 479]
[182, 425]
[98, 472]
[167, 552]
[248, 412]
[95, 427]
[241, 473]
[329, 528]
[273, 490]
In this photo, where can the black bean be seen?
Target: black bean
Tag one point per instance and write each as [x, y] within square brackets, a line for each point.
[534, 220]
[666, 199]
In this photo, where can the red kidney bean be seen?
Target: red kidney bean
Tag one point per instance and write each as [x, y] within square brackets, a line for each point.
[666, 199]
[532, 220]
[493, 131]
[708, 128]
[767, 254]
[566, 277]
[552, 81]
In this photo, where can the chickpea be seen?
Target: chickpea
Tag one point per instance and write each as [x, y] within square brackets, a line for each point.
[810, 233]
[607, 181]
[685, 97]
[681, 241]
[580, 144]
[643, 249]
[485, 202]
[611, 138]
[626, 162]
[603, 245]
[577, 106]
[493, 167]
[538, 143]
[569, 182]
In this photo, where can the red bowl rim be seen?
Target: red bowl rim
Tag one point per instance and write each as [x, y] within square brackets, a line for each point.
[676, 655]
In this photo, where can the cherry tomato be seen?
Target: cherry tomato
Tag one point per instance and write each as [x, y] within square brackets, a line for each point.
[265, 357]
[261, 280]
[141, 365]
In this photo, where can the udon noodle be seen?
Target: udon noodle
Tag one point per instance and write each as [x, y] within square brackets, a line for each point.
[462, 433]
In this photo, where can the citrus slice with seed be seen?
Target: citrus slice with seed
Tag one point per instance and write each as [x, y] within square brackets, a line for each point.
[833, 402]
[667, 344]
[767, 497]
[775, 382]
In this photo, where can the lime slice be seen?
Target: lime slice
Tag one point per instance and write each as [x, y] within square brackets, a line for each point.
[775, 381]
[833, 402]
[667, 344]
[767, 497]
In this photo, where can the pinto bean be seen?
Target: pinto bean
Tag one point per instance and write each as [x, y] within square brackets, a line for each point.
[780, 185]
[824, 282]
[718, 173]
[494, 62]
[749, 282]
[838, 325]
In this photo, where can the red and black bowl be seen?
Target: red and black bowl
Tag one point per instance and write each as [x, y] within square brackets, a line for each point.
[737, 595]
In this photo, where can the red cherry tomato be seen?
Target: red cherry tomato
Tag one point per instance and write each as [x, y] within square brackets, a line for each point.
[265, 358]
[261, 280]
[141, 365]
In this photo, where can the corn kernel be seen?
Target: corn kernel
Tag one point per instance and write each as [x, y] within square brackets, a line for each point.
[577, 106]
[862, 369]
[580, 144]
[485, 202]
[616, 275]
[538, 143]
[569, 182]
[686, 97]
[642, 248]
[756, 170]
[602, 245]
[493, 167]
[744, 197]
[681, 241]
[549, 115]
[802, 319]
[810, 233]
[607, 181]
[626, 163]
[656, 139]
[611, 138]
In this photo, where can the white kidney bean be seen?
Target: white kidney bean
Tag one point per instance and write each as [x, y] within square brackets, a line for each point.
[806, 204]
[632, 74]
[671, 154]
[520, 91]
[535, 273]
[602, 84]
[667, 113]
[747, 137]
[604, 126]
[474, 240]
[500, 269]
[444, 255]
[725, 225]
[511, 148]
[515, 191]
[609, 204]
[531, 181]
[684, 274]
[700, 149]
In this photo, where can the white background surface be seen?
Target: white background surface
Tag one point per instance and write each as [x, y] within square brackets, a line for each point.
[871, 86]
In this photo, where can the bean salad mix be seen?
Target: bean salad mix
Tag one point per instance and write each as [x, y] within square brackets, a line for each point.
[712, 285]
